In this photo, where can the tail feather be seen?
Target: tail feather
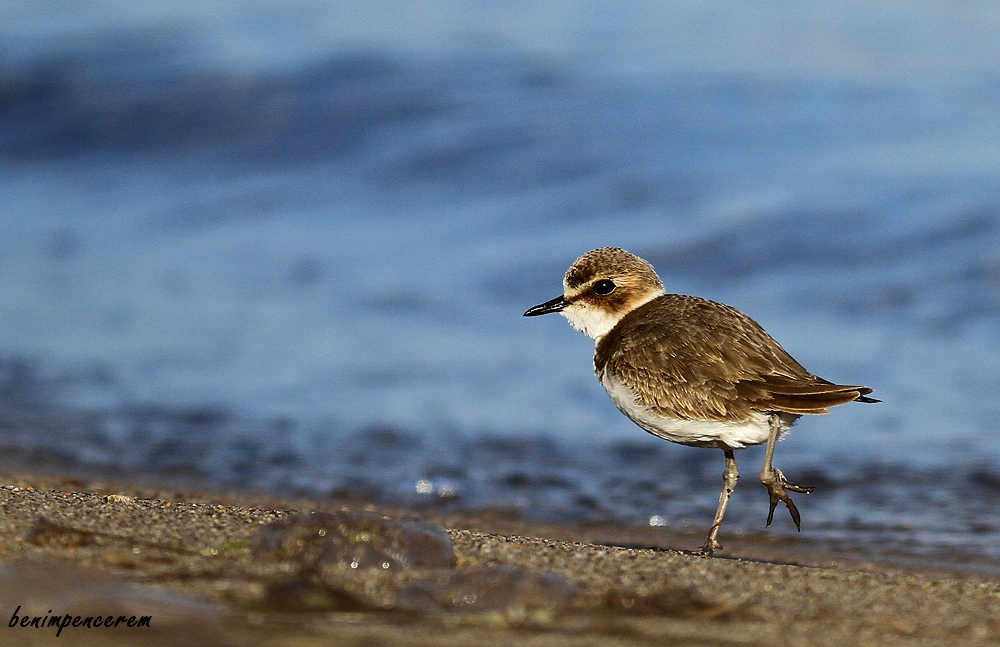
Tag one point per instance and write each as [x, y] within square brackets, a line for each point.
[812, 403]
[807, 397]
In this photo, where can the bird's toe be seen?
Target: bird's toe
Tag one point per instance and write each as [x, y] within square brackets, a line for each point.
[776, 484]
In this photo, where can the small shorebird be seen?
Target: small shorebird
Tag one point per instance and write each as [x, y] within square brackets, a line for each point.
[690, 370]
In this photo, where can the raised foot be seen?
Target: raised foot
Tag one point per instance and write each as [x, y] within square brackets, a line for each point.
[776, 485]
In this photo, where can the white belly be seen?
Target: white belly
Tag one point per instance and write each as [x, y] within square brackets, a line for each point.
[696, 433]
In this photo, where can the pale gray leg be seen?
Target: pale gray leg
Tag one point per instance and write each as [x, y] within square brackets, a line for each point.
[729, 478]
[775, 481]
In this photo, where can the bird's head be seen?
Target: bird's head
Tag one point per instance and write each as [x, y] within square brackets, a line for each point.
[600, 288]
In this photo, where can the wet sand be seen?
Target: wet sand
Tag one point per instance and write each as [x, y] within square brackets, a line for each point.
[193, 563]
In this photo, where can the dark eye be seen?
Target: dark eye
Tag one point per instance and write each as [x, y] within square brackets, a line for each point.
[604, 286]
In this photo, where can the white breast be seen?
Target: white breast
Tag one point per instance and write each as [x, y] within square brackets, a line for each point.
[696, 433]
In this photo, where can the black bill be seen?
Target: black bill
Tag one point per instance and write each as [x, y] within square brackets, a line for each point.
[555, 305]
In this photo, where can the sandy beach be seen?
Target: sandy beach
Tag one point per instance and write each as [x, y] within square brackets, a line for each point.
[238, 569]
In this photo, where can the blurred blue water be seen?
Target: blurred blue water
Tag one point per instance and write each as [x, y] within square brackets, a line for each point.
[292, 251]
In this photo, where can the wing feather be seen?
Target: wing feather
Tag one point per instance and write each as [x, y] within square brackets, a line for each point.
[690, 358]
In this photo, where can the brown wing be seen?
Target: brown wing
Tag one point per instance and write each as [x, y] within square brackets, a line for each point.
[692, 358]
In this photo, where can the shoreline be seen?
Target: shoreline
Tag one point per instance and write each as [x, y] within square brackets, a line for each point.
[193, 561]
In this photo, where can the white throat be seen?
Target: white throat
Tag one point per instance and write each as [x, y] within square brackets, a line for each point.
[597, 322]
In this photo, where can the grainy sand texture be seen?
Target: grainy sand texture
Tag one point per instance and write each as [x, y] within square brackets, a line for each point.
[229, 569]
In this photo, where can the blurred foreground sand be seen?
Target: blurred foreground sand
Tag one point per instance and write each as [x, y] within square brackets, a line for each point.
[192, 561]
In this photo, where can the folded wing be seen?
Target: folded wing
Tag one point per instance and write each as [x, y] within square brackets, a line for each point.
[691, 358]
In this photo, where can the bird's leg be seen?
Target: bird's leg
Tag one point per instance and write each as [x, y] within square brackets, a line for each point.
[729, 478]
[775, 481]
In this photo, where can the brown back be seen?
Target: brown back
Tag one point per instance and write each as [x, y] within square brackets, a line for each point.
[694, 359]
